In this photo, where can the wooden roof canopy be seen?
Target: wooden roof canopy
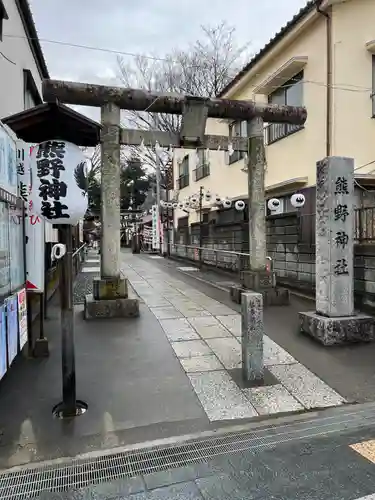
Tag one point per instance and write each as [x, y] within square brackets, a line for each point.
[54, 121]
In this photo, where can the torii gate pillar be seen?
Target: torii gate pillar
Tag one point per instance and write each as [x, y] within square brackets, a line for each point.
[110, 297]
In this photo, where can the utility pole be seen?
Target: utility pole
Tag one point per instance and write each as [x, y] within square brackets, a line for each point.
[200, 227]
[167, 219]
[157, 163]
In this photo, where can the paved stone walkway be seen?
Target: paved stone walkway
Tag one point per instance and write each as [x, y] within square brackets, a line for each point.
[205, 336]
[83, 281]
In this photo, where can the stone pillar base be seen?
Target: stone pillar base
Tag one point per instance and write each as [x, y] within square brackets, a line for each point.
[110, 288]
[41, 349]
[258, 280]
[271, 297]
[112, 308]
[336, 331]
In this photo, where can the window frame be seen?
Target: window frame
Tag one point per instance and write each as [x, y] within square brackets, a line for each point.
[29, 86]
[237, 129]
[183, 173]
[277, 131]
[3, 17]
[203, 168]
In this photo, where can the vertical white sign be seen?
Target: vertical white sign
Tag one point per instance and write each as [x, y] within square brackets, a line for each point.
[80, 230]
[155, 227]
[34, 225]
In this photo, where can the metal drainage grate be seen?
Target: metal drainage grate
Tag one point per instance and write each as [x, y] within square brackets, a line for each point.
[78, 473]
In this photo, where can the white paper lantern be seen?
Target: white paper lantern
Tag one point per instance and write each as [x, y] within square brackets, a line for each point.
[169, 205]
[208, 196]
[59, 182]
[274, 204]
[239, 205]
[227, 203]
[174, 205]
[217, 199]
[180, 205]
[297, 200]
[187, 203]
[194, 199]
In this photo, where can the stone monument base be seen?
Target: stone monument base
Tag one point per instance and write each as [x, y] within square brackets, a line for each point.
[110, 288]
[258, 280]
[41, 348]
[336, 331]
[113, 308]
[271, 296]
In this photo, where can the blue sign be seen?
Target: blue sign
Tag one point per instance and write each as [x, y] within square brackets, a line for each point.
[12, 327]
[3, 342]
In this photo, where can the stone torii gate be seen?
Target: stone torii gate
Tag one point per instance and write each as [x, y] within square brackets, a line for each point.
[110, 296]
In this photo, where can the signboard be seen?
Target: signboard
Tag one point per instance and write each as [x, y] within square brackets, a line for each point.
[12, 327]
[22, 317]
[155, 227]
[80, 231]
[8, 168]
[58, 182]
[147, 235]
[34, 225]
[3, 342]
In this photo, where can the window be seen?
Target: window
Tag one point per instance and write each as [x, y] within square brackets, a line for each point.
[183, 173]
[291, 94]
[237, 129]
[3, 16]
[203, 168]
[31, 96]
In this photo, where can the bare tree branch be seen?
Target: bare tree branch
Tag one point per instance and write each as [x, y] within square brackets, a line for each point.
[204, 68]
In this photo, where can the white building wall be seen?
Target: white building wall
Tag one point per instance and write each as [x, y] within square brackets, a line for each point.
[19, 52]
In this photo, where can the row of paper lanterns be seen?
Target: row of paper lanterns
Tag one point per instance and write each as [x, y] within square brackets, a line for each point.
[193, 200]
[297, 200]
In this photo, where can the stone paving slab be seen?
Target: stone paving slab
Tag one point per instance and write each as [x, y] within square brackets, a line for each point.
[206, 363]
[177, 329]
[272, 399]
[305, 386]
[220, 396]
[211, 348]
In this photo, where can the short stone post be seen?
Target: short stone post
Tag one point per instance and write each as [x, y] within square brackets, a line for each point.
[334, 320]
[110, 291]
[252, 329]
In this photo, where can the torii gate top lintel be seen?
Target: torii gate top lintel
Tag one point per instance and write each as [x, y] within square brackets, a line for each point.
[86, 94]
[194, 110]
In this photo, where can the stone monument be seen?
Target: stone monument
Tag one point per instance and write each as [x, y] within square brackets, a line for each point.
[334, 320]
[252, 332]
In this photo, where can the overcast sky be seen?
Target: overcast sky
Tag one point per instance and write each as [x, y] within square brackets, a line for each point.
[143, 26]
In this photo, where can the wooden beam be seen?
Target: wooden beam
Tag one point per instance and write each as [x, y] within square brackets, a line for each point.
[86, 94]
[166, 139]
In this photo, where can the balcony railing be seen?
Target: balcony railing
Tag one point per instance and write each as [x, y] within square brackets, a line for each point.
[182, 181]
[277, 131]
[201, 172]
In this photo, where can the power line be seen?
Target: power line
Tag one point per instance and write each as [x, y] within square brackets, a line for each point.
[346, 87]
[91, 47]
